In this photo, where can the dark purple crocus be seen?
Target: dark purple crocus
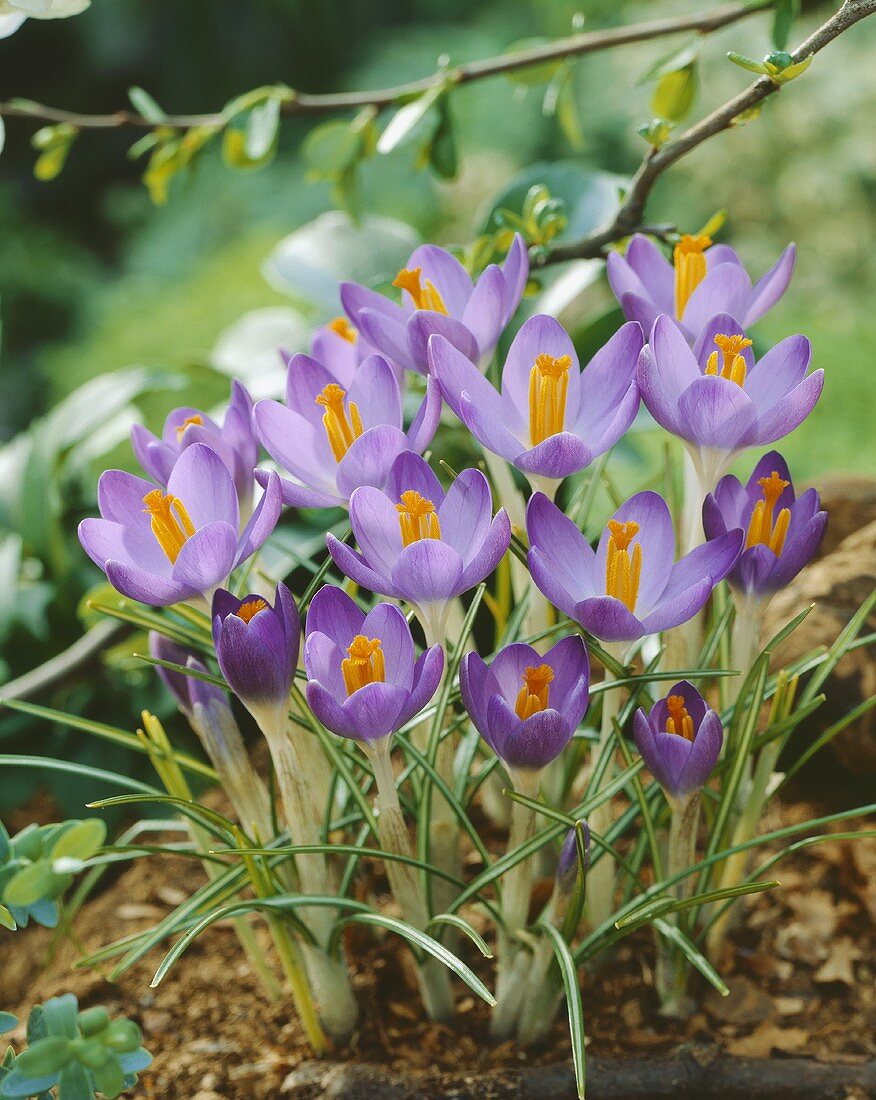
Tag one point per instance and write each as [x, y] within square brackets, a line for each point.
[631, 585]
[527, 705]
[417, 543]
[438, 296]
[234, 441]
[782, 532]
[161, 546]
[703, 279]
[257, 649]
[680, 740]
[716, 398]
[364, 681]
[331, 439]
[550, 420]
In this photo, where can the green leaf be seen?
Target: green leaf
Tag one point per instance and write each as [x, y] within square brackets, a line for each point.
[8, 1022]
[569, 973]
[6, 921]
[538, 73]
[404, 124]
[47, 1056]
[331, 148]
[675, 93]
[145, 105]
[82, 841]
[74, 1083]
[262, 130]
[463, 926]
[695, 957]
[32, 883]
[443, 154]
[786, 12]
[747, 63]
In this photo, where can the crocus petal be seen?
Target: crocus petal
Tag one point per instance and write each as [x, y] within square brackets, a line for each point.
[530, 744]
[786, 414]
[673, 752]
[412, 472]
[771, 286]
[465, 514]
[703, 754]
[374, 710]
[715, 412]
[427, 418]
[489, 428]
[625, 281]
[566, 549]
[799, 550]
[753, 570]
[676, 364]
[202, 482]
[722, 324]
[607, 378]
[356, 298]
[509, 665]
[323, 658]
[389, 336]
[296, 445]
[374, 520]
[515, 270]
[724, 289]
[540, 335]
[262, 521]
[553, 587]
[425, 323]
[608, 619]
[712, 559]
[334, 613]
[446, 273]
[388, 624]
[206, 558]
[375, 393]
[457, 374]
[491, 551]
[639, 309]
[476, 685]
[369, 458]
[427, 676]
[656, 536]
[654, 270]
[778, 372]
[354, 566]
[428, 571]
[138, 584]
[155, 459]
[120, 498]
[296, 495]
[305, 380]
[556, 457]
[484, 312]
[105, 541]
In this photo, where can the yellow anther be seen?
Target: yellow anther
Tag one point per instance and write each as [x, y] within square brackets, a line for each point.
[363, 664]
[171, 523]
[417, 518]
[679, 721]
[733, 364]
[250, 609]
[623, 570]
[344, 329]
[189, 421]
[533, 696]
[424, 296]
[342, 425]
[763, 530]
[548, 389]
[690, 269]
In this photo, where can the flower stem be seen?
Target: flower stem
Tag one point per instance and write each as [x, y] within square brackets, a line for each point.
[672, 970]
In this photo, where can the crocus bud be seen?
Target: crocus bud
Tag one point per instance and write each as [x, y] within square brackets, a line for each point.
[568, 897]
[177, 683]
[257, 649]
[680, 740]
[527, 705]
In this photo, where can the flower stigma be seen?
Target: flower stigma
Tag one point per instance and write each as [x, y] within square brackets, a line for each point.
[690, 268]
[342, 426]
[733, 364]
[424, 296]
[622, 570]
[417, 518]
[533, 696]
[363, 663]
[171, 523]
[548, 388]
[190, 421]
[250, 609]
[679, 721]
[342, 327]
[763, 530]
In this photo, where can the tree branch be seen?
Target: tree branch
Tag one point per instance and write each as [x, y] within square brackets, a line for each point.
[300, 103]
[631, 213]
[64, 664]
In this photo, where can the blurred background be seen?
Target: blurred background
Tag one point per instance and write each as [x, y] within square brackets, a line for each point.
[149, 307]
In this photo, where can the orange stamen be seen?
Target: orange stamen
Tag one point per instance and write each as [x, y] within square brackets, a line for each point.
[548, 389]
[171, 523]
[763, 530]
[250, 609]
[733, 363]
[417, 518]
[342, 425]
[679, 721]
[623, 571]
[423, 296]
[690, 269]
[363, 664]
[344, 329]
[197, 419]
[533, 696]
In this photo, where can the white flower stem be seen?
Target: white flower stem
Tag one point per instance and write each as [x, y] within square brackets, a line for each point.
[404, 880]
[672, 968]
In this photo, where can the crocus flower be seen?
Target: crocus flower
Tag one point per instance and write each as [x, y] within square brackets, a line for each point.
[716, 398]
[570, 859]
[782, 532]
[363, 679]
[234, 441]
[679, 740]
[550, 419]
[527, 705]
[332, 440]
[703, 279]
[438, 296]
[341, 349]
[420, 545]
[160, 547]
[631, 585]
[257, 650]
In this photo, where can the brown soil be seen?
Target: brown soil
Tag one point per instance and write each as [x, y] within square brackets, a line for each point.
[801, 975]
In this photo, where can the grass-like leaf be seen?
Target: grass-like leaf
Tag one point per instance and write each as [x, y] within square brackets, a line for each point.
[569, 974]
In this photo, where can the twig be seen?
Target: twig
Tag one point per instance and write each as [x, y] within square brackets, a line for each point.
[64, 664]
[630, 214]
[300, 103]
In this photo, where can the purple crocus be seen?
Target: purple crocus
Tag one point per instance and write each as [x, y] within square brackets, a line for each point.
[417, 543]
[331, 439]
[631, 585]
[234, 441]
[782, 532]
[363, 679]
[716, 398]
[550, 419]
[438, 296]
[680, 740]
[257, 650]
[527, 705]
[342, 349]
[703, 279]
[160, 547]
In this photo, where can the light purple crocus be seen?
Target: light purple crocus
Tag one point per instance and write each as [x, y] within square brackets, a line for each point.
[679, 740]
[631, 585]
[364, 681]
[160, 547]
[342, 349]
[332, 440]
[234, 441]
[550, 419]
[703, 279]
[782, 532]
[257, 650]
[418, 544]
[527, 705]
[716, 398]
[438, 296]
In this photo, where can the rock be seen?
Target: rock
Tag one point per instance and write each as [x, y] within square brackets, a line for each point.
[850, 503]
[837, 584]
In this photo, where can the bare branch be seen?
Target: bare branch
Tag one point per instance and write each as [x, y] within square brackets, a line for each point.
[300, 103]
[64, 664]
[631, 213]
